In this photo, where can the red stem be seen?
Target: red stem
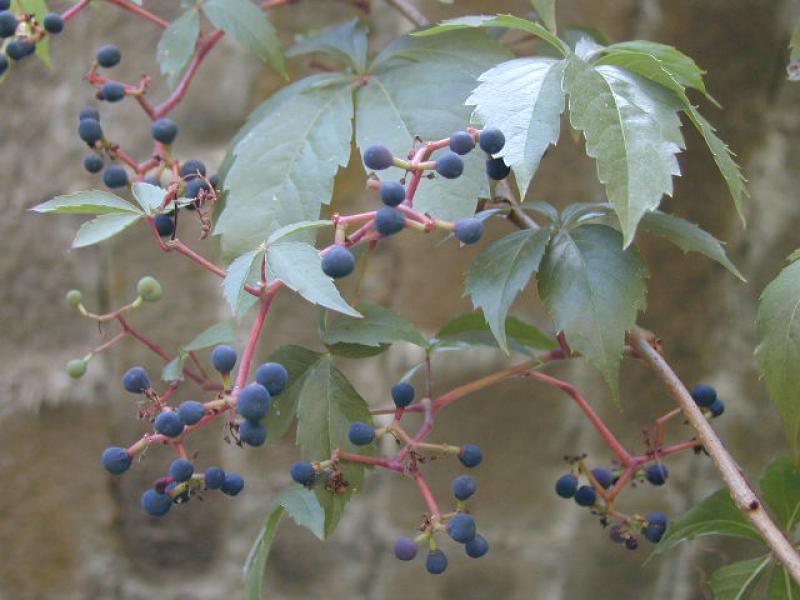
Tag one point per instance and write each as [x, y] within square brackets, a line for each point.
[427, 494]
[74, 9]
[142, 12]
[367, 460]
[252, 342]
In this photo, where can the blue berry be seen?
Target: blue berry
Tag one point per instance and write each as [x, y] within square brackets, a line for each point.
[655, 527]
[181, 469]
[464, 486]
[436, 562]
[469, 231]
[402, 394]
[90, 131]
[254, 402]
[169, 424]
[192, 168]
[631, 543]
[657, 518]
[253, 433]
[234, 483]
[116, 460]
[89, 112]
[93, 162]
[462, 528]
[273, 376]
[405, 548]
[497, 169]
[165, 224]
[492, 140]
[717, 407]
[361, 434]
[8, 24]
[392, 193]
[449, 165]
[223, 357]
[338, 262]
[3, 63]
[461, 142]
[215, 477]
[113, 91]
[109, 56]
[378, 157]
[194, 186]
[567, 485]
[585, 496]
[136, 380]
[303, 473]
[53, 23]
[704, 395]
[389, 221]
[477, 547]
[603, 477]
[191, 411]
[164, 130]
[115, 177]
[19, 49]
[470, 455]
[156, 504]
[617, 534]
[656, 474]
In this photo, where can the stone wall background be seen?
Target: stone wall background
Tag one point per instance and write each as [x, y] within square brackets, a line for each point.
[68, 531]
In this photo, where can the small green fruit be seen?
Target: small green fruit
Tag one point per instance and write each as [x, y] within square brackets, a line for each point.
[76, 368]
[74, 298]
[149, 289]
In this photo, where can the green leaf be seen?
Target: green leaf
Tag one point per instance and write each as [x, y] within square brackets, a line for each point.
[281, 166]
[794, 45]
[347, 42]
[780, 487]
[241, 271]
[593, 290]
[547, 12]
[778, 353]
[688, 237]
[395, 105]
[782, 586]
[524, 98]
[507, 21]
[173, 370]
[379, 325]
[177, 44]
[736, 580]
[103, 227]
[471, 329]
[299, 266]
[327, 406]
[714, 515]
[793, 256]
[248, 24]
[346, 350]
[632, 130]
[500, 272]
[150, 197]
[223, 332]
[297, 361]
[299, 503]
[288, 230]
[90, 201]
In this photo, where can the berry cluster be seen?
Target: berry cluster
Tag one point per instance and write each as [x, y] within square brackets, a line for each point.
[171, 425]
[20, 33]
[338, 261]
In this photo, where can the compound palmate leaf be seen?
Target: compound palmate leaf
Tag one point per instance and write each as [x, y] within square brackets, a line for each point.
[176, 45]
[379, 325]
[500, 272]
[87, 202]
[736, 580]
[525, 99]
[281, 166]
[778, 353]
[327, 405]
[396, 104]
[103, 227]
[632, 130]
[593, 289]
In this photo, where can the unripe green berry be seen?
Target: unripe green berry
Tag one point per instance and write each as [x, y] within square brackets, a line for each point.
[149, 289]
[74, 298]
[76, 368]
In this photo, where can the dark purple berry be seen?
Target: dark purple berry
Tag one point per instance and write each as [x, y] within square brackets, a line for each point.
[464, 486]
[449, 165]
[155, 504]
[254, 402]
[165, 224]
[378, 157]
[3, 64]
[461, 142]
[115, 176]
[402, 394]
[8, 24]
[392, 193]
[361, 434]
[234, 483]
[109, 56]
[338, 262]
[93, 162]
[136, 380]
[223, 357]
[116, 460]
[169, 424]
[164, 130]
[567, 485]
[253, 433]
[462, 528]
[194, 186]
[717, 407]
[617, 534]
[113, 91]
[405, 548]
[436, 562]
[477, 546]
[704, 395]
[192, 168]
[5, 4]
[19, 49]
[389, 221]
[470, 455]
[273, 376]
[603, 477]
[585, 496]
[53, 23]
[497, 169]
[181, 469]
[214, 477]
[469, 231]
[89, 112]
[631, 543]
[492, 140]
[191, 412]
[303, 473]
[90, 131]
[656, 474]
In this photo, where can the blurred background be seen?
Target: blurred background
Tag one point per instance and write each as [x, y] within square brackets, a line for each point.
[69, 531]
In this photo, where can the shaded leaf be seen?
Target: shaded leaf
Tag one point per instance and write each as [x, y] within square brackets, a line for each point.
[173, 370]
[150, 197]
[547, 12]
[241, 271]
[688, 237]
[471, 329]
[347, 42]
[379, 325]
[288, 230]
[736, 580]
[347, 350]
[780, 486]
[778, 353]
[782, 586]
[177, 44]
[223, 332]
[103, 227]
[593, 289]
[500, 272]
[89, 201]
